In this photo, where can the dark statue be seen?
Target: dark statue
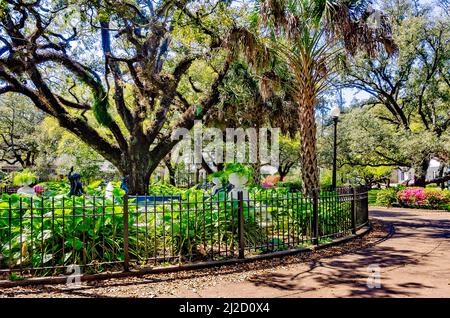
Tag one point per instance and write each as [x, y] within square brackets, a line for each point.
[76, 188]
[124, 185]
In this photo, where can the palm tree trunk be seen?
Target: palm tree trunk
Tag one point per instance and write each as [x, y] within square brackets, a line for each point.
[308, 154]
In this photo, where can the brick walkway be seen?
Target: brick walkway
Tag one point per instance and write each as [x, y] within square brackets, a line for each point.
[414, 261]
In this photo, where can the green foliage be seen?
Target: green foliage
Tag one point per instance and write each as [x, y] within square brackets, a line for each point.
[408, 128]
[48, 138]
[100, 109]
[326, 178]
[85, 160]
[95, 188]
[293, 186]
[24, 178]
[52, 189]
[372, 197]
[14, 276]
[238, 168]
[78, 230]
[386, 197]
[437, 198]
[289, 153]
[3, 176]
[45, 236]
[164, 189]
[20, 130]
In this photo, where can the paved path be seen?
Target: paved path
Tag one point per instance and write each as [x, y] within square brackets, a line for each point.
[414, 261]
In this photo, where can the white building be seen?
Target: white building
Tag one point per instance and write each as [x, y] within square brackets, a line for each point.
[405, 174]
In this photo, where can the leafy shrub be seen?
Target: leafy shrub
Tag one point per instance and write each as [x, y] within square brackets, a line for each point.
[238, 168]
[164, 189]
[295, 186]
[400, 187]
[44, 232]
[55, 188]
[386, 197]
[437, 198]
[326, 178]
[373, 196]
[24, 178]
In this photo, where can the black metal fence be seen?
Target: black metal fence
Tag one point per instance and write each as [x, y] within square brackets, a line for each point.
[42, 236]
[8, 189]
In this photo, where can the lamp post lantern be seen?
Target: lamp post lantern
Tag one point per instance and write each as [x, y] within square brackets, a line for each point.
[335, 113]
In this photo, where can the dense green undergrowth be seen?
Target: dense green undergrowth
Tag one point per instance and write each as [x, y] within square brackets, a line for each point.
[59, 230]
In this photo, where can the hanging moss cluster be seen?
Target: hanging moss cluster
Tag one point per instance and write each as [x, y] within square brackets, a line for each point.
[100, 109]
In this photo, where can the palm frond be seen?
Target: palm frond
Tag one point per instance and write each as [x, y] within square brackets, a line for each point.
[358, 26]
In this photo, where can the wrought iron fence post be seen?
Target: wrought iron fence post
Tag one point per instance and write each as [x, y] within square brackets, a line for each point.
[126, 262]
[315, 220]
[353, 192]
[241, 228]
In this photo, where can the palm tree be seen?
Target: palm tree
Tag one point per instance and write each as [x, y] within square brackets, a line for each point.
[310, 36]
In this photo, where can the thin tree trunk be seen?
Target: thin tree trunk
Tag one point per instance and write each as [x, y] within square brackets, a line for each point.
[441, 174]
[257, 165]
[171, 175]
[197, 175]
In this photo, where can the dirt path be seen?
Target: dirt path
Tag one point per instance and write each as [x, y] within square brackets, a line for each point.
[412, 254]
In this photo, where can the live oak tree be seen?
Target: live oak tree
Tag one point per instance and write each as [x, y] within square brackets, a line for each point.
[369, 147]
[19, 129]
[410, 92]
[115, 73]
[289, 155]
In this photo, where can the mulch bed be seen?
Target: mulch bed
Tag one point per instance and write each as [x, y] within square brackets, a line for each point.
[154, 285]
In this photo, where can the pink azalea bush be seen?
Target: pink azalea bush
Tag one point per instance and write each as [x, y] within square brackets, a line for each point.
[423, 197]
[411, 196]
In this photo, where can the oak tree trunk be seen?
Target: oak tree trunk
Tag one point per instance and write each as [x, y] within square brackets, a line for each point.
[137, 166]
[138, 182]
[421, 172]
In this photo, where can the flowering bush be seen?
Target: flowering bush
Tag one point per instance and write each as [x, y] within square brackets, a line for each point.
[411, 196]
[437, 198]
